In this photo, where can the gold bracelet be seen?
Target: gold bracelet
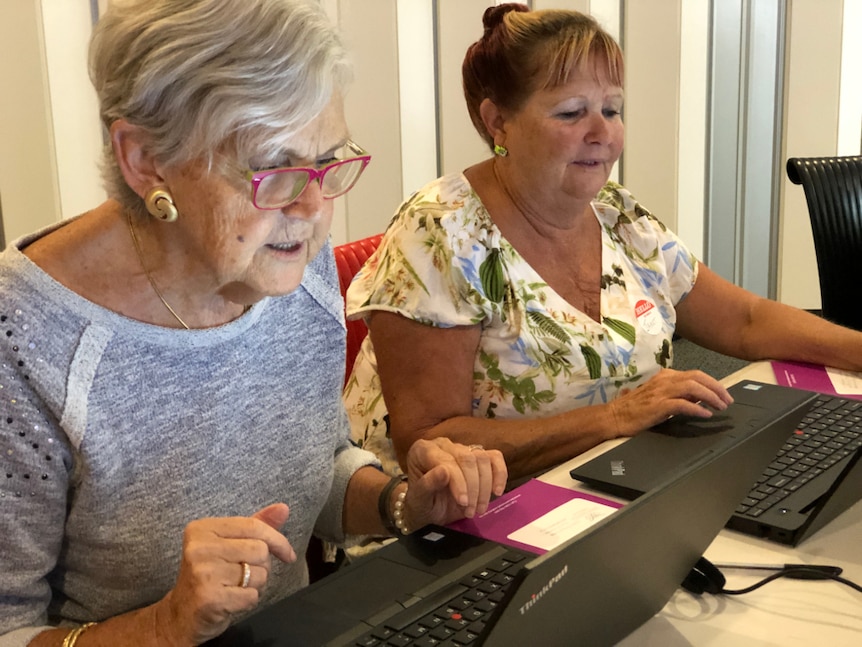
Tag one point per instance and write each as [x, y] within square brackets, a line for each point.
[73, 635]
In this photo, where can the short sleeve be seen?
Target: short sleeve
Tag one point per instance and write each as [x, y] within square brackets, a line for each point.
[427, 265]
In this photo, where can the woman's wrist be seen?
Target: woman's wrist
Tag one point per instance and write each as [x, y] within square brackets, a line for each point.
[72, 637]
[399, 510]
[614, 428]
[592, 425]
[163, 623]
[390, 505]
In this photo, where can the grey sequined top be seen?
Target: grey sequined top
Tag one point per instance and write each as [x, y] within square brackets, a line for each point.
[114, 434]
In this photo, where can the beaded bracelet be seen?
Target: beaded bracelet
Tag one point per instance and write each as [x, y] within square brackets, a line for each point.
[394, 523]
[72, 636]
[398, 512]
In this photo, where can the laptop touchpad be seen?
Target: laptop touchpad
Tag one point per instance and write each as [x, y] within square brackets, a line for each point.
[365, 589]
[745, 419]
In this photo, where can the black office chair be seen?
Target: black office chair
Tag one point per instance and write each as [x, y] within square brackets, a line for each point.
[833, 191]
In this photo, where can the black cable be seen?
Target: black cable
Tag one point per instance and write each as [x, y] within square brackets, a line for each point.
[800, 573]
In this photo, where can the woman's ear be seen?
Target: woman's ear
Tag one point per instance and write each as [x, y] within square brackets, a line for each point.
[495, 122]
[133, 157]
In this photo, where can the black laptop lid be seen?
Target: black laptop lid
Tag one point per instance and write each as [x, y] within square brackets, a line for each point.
[642, 462]
[603, 584]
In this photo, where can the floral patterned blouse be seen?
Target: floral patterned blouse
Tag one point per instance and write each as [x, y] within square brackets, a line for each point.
[443, 262]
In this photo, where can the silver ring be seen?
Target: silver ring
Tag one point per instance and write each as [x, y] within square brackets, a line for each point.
[246, 574]
[479, 447]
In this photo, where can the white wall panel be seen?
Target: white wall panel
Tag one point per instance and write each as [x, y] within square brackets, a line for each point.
[652, 48]
[691, 142]
[29, 190]
[417, 94]
[460, 25]
[373, 113]
[811, 120]
[73, 106]
[850, 99]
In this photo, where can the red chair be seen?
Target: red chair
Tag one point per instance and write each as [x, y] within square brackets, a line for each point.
[349, 258]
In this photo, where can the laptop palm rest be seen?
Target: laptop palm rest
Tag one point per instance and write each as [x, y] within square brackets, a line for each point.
[365, 593]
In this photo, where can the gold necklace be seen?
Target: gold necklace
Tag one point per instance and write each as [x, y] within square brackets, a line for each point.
[147, 272]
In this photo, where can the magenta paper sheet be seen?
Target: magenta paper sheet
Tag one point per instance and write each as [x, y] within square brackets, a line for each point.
[811, 377]
[536, 516]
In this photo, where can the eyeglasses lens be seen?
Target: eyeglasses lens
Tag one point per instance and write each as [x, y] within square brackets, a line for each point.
[281, 188]
[341, 177]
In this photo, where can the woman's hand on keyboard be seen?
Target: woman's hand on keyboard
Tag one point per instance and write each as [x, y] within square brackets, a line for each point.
[668, 393]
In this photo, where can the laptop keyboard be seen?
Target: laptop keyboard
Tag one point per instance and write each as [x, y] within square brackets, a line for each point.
[453, 617]
[829, 432]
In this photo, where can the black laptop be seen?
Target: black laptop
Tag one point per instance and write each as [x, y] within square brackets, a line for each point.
[814, 477]
[441, 587]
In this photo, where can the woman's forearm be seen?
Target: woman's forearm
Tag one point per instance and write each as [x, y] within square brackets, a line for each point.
[145, 627]
[361, 515]
[528, 445]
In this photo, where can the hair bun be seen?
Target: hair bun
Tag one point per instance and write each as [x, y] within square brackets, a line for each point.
[493, 15]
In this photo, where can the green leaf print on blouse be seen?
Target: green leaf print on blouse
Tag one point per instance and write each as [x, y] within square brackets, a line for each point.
[491, 275]
[614, 279]
[557, 362]
[623, 329]
[642, 212]
[521, 389]
[594, 362]
[662, 358]
[548, 326]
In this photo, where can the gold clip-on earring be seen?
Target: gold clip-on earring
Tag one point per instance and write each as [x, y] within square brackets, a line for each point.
[160, 204]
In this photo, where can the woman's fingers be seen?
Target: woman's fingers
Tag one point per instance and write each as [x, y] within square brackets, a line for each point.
[225, 565]
[275, 517]
[486, 475]
[668, 393]
[216, 550]
[252, 538]
[451, 477]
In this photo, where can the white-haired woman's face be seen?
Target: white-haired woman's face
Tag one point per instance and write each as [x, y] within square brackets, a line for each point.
[245, 253]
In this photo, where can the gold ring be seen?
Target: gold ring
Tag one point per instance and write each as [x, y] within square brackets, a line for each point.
[479, 447]
[246, 574]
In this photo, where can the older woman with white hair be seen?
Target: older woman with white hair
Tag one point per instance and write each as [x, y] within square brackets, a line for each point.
[171, 360]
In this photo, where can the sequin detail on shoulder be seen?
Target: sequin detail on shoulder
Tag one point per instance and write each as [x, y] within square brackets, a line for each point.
[25, 452]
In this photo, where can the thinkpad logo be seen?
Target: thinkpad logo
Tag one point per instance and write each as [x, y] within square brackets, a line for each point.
[535, 597]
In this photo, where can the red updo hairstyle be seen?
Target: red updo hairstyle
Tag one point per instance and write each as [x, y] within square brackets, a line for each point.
[523, 51]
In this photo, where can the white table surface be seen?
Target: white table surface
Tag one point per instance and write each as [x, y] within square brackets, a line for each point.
[783, 612]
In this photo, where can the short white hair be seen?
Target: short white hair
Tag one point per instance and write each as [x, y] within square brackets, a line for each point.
[202, 75]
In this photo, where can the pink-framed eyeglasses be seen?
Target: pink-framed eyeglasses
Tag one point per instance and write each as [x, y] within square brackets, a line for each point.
[278, 187]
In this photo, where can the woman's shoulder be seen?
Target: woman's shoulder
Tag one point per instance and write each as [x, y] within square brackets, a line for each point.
[615, 203]
[444, 198]
[447, 208]
[23, 281]
[615, 195]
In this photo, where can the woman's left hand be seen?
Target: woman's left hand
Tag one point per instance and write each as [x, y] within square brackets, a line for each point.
[448, 481]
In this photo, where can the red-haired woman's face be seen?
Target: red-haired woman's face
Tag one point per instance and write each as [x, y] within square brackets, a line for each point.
[565, 140]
